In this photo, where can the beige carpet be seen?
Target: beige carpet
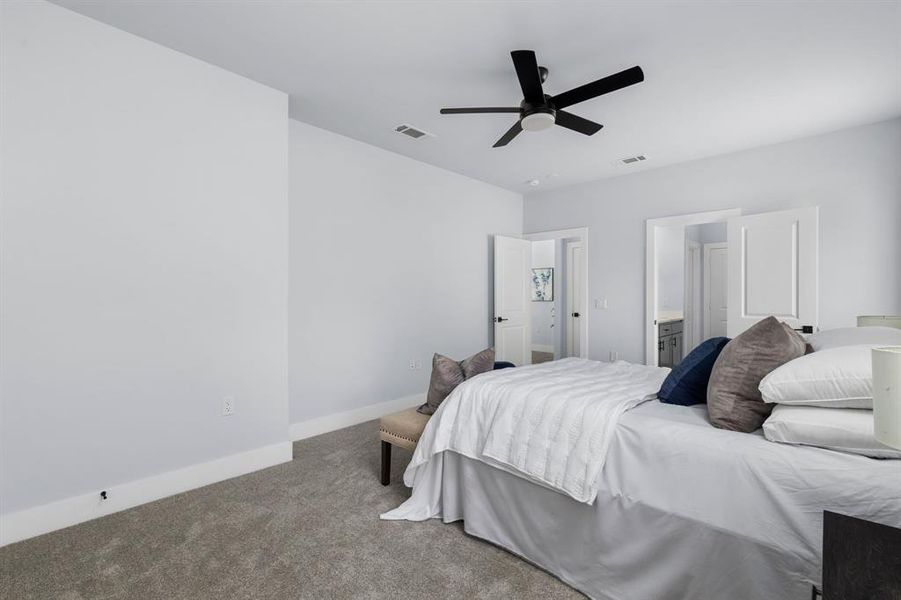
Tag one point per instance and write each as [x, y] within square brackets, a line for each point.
[307, 529]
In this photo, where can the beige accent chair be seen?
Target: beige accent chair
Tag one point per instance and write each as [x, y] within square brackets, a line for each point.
[400, 429]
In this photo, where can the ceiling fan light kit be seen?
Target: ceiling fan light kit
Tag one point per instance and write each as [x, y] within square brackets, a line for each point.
[538, 121]
[539, 111]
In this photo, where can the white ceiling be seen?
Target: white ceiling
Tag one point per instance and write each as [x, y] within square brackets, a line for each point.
[719, 76]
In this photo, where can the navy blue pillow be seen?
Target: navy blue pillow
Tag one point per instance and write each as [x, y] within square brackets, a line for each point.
[687, 382]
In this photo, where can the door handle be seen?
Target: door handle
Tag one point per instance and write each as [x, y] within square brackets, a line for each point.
[576, 315]
[501, 319]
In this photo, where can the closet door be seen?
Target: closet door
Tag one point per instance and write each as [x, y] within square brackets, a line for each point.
[773, 269]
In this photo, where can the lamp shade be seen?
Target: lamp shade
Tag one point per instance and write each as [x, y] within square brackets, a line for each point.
[879, 321]
[887, 395]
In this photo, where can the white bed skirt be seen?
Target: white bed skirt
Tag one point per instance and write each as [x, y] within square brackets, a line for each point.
[683, 511]
[615, 549]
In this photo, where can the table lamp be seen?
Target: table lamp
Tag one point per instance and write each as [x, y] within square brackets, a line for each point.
[887, 395]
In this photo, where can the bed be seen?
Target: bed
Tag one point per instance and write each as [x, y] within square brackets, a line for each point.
[680, 509]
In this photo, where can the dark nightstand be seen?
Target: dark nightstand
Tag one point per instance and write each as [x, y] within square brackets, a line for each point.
[861, 560]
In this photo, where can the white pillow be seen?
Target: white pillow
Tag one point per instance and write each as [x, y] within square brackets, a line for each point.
[834, 378]
[841, 429]
[852, 336]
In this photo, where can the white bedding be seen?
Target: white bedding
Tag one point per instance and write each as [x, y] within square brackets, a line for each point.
[551, 423]
[684, 510]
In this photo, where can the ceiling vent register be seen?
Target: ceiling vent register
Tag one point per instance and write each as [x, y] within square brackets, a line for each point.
[412, 132]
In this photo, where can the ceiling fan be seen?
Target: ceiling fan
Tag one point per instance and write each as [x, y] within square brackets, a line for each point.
[538, 111]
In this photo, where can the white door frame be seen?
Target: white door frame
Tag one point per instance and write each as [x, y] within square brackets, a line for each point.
[692, 331]
[714, 216]
[581, 233]
[706, 305]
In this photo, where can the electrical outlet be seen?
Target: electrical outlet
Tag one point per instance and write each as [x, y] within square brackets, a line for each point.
[228, 406]
[412, 364]
[614, 356]
[600, 303]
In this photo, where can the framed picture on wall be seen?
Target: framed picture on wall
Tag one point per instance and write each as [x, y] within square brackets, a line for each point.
[543, 285]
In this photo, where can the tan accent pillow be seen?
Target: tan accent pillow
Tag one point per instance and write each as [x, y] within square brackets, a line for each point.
[448, 374]
[733, 395]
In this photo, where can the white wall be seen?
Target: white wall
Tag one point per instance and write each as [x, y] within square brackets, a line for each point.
[853, 175]
[390, 261]
[709, 233]
[144, 263]
[670, 246]
[543, 313]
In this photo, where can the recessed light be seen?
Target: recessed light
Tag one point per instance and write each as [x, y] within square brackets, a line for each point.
[534, 182]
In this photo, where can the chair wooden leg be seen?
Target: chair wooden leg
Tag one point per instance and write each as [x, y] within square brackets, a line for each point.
[386, 462]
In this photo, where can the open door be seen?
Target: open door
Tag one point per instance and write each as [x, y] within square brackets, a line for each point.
[512, 300]
[773, 269]
[575, 297]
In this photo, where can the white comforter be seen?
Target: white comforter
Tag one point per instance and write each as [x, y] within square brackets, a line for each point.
[550, 423]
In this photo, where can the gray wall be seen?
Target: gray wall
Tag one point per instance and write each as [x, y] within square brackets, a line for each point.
[391, 261]
[144, 271]
[854, 176]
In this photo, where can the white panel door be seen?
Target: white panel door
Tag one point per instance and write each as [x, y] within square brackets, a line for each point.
[692, 332]
[575, 294]
[512, 300]
[716, 297]
[773, 268]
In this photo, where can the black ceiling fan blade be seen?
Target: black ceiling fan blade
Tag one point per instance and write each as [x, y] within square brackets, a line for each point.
[529, 77]
[507, 137]
[480, 109]
[608, 84]
[577, 123]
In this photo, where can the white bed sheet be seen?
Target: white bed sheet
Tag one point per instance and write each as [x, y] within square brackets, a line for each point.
[684, 510]
[551, 423]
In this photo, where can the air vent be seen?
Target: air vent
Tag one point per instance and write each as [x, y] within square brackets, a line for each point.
[413, 132]
[632, 159]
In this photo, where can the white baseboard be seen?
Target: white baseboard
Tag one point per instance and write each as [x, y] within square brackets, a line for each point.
[31, 522]
[305, 429]
[542, 348]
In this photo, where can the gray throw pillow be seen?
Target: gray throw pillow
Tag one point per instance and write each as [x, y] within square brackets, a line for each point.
[448, 374]
[733, 398]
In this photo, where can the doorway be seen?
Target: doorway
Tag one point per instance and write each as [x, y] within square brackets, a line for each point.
[546, 294]
[679, 285]
[555, 296]
[754, 266]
